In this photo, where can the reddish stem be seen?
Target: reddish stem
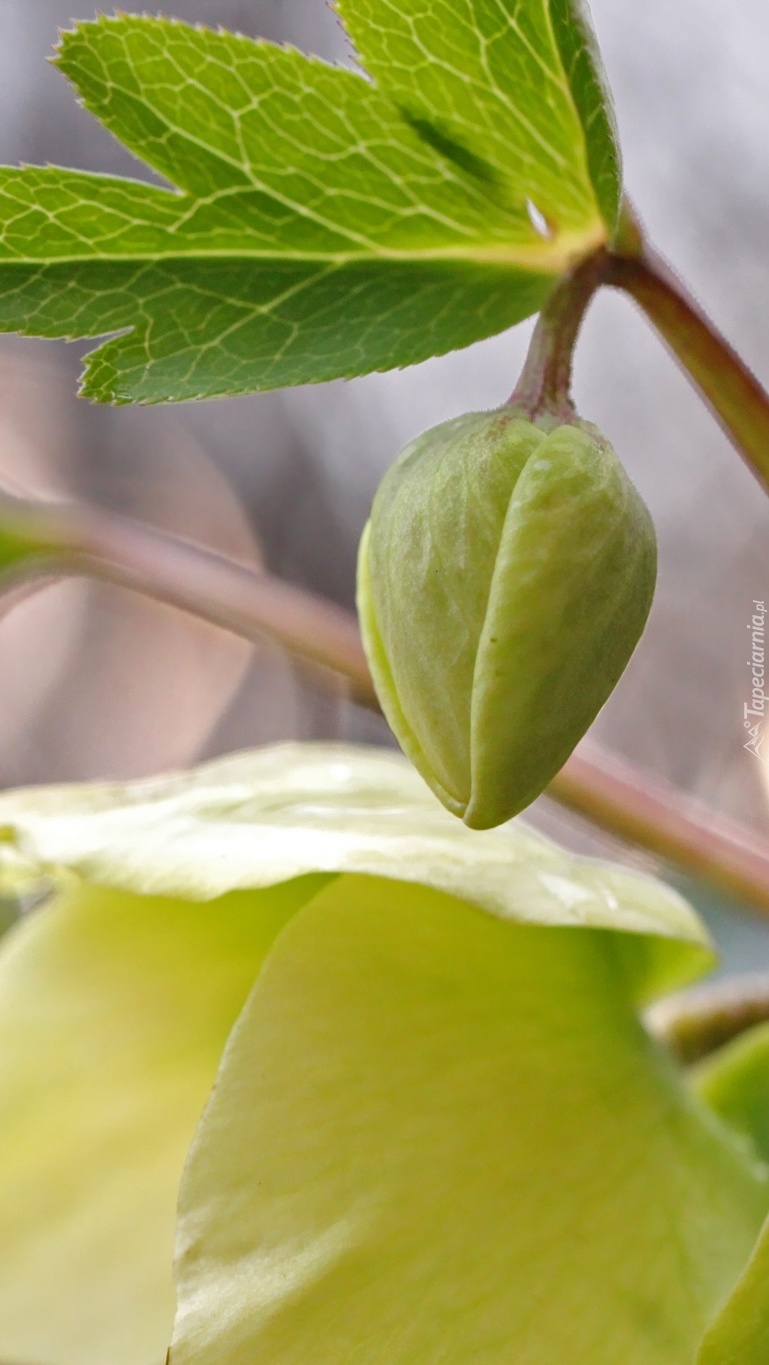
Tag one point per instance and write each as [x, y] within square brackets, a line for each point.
[544, 388]
[98, 544]
[735, 397]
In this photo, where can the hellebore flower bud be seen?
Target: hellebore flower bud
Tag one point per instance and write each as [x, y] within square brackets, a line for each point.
[504, 580]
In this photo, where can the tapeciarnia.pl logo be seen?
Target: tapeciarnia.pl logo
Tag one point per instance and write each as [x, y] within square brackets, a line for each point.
[754, 712]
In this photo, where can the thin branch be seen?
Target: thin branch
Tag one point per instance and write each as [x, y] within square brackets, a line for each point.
[731, 391]
[545, 383]
[696, 1023]
[78, 540]
[98, 544]
[653, 815]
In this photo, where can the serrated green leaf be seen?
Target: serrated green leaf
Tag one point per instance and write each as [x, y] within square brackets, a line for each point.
[516, 85]
[582, 64]
[265, 816]
[114, 1010]
[317, 232]
[443, 1138]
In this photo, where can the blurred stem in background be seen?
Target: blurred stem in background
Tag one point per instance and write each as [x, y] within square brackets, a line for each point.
[46, 540]
[698, 1022]
[40, 542]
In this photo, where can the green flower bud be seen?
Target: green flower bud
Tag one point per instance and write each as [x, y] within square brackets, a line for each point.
[504, 579]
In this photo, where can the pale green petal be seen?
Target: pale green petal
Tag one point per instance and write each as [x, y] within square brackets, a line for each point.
[22, 886]
[115, 1006]
[740, 1333]
[441, 1139]
[114, 1010]
[735, 1083]
[266, 816]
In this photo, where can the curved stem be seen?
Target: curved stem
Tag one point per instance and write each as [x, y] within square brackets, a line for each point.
[545, 383]
[695, 1024]
[66, 540]
[733, 394]
[651, 814]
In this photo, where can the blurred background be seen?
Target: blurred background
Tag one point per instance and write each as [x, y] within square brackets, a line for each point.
[96, 682]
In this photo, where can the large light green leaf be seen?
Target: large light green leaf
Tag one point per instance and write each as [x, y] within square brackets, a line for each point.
[319, 229]
[116, 1001]
[265, 816]
[114, 1010]
[440, 1138]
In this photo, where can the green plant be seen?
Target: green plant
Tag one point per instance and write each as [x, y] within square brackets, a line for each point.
[504, 557]
[442, 1130]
